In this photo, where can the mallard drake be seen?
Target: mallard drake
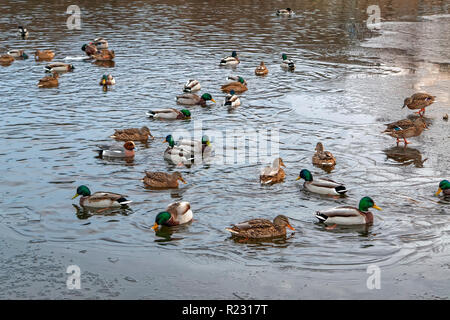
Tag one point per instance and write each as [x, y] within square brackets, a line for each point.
[321, 185]
[104, 55]
[232, 79]
[347, 215]
[176, 213]
[49, 81]
[18, 54]
[285, 12]
[261, 228]
[261, 70]
[169, 114]
[230, 60]
[273, 174]
[323, 158]
[238, 86]
[6, 59]
[420, 101]
[192, 86]
[176, 154]
[90, 49]
[287, 63]
[405, 129]
[193, 99]
[44, 55]
[444, 187]
[117, 150]
[100, 43]
[132, 134]
[162, 179]
[100, 199]
[23, 32]
[185, 150]
[58, 67]
[232, 100]
[107, 80]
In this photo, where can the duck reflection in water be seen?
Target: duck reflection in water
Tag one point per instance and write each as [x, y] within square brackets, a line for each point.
[84, 213]
[165, 233]
[105, 64]
[405, 156]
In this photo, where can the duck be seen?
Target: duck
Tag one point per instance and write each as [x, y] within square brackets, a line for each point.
[18, 54]
[100, 43]
[100, 199]
[444, 187]
[405, 129]
[90, 49]
[190, 145]
[420, 101]
[193, 99]
[23, 32]
[323, 158]
[176, 154]
[273, 174]
[192, 86]
[238, 86]
[232, 100]
[285, 12]
[445, 117]
[176, 213]
[235, 79]
[59, 67]
[49, 81]
[104, 55]
[162, 179]
[107, 80]
[261, 228]
[347, 215]
[230, 60]
[117, 151]
[261, 70]
[169, 114]
[6, 59]
[132, 134]
[44, 55]
[287, 63]
[321, 185]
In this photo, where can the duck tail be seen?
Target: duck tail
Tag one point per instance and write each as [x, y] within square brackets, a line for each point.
[151, 114]
[321, 216]
[341, 189]
[124, 201]
[231, 230]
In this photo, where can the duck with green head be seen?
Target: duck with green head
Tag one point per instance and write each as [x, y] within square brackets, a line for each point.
[321, 185]
[230, 60]
[18, 54]
[176, 213]
[444, 187]
[287, 63]
[238, 86]
[232, 100]
[347, 215]
[175, 153]
[169, 114]
[191, 99]
[100, 199]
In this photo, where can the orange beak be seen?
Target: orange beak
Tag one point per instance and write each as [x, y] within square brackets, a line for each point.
[290, 227]
[155, 226]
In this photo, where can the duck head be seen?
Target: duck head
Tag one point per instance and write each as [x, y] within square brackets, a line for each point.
[282, 221]
[366, 203]
[82, 191]
[161, 218]
[305, 174]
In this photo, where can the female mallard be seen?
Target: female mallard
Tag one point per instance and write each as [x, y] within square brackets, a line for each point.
[323, 158]
[261, 70]
[405, 129]
[232, 100]
[90, 49]
[100, 199]
[273, 174]
[238, 86]
[420, 101]
[23, 32]
[321, 185]
[176, 213]
[44, 55]
[444, 187]
[49, 81]
[6, 59]
[193, 99]
[230, 60]
[162, 179]
[285, 12]
[347, 215]
[100, 43]
[104, 55]
[287, 63]
[18, 54]
[192, 86]
[59, 67]
[261, 228]
[169, 114]
[117, 151]
[132, 134]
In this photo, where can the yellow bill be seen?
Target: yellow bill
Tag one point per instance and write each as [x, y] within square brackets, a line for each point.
[76, 195]
[213, 100]
[298, 178]
[439, 191]
[155, 226]
[376, 207]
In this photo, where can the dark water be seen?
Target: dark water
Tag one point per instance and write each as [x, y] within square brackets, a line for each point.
[346, 85]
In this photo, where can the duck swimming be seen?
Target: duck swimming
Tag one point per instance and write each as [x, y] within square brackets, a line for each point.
[323, 158]
[162, 179]
[18, 54]
[321, 185]
[176, 213]
[132, 134]
[193, 99]
[261, 70]
[49, 81]
[287, 63]
[169, 114]
[192, 86]
[273, 174]
[59, 67]
[261, 228]
[23, 32]
[238, 86]
[100, 199]
[230, 60]
[44, 55]
[232, 100]
[117, 151]
[444, 187]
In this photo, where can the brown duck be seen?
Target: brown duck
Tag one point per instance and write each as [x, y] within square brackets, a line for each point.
[323, 158]
[261, 228]
[419, 101]
[404, 129]
[274, 174]
[261, 70]
[104, 55]
[238, 86]
[49, 81]
[6, 59]
[132, 134]
[46, 55]
[162, 179]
